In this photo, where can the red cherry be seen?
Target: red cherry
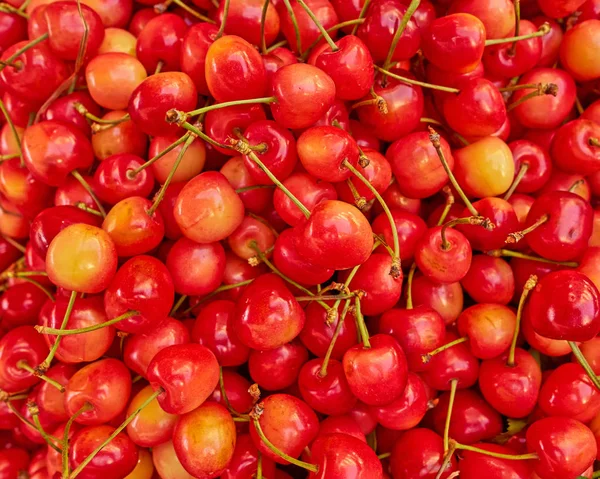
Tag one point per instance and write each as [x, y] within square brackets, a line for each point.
[113, 181]
[489, 280]
[446, 299]
[63, 109]
[126, 137]
[236, 389]
[473, 463]
[160, 42]
[489, 328]
[323, 11]
[579, 42]
[498, 16]
[278, 368]
[20, 344]
[573, 149]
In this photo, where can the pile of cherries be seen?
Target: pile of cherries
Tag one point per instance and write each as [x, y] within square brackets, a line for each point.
[269, 239]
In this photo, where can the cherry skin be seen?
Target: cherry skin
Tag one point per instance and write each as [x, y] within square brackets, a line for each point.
[288, 423]
[489, 328]
[565, 446]
[252, 233]
[152, 426]
[445, 299]
[577, 43]
[191, 163]
[572, 150]
[18, 185]
[63, 109]
[244, 20]
[336, 236]
[329, 394]
[303, 94]
[21, 304]
[498, 16]
[590, 352]
[234, 70]
[126, 137]
[81, 258]
[419, 453]
[410, 229]
[569, 392]
[245, 459]
[208, 453]
[376, 375]
[489, 280]
[236, 389]
[209, 191]
[157, 94]
[166, 462]
[473, 463]
[323, 11]
[20, 344]
[565, 305]
[339, 456]
[509, 389]
[278, 368]
[188, 374]
[213, 329]
[378, 172]
[275, 60]
[53, 149]
[140, 349]
[13, 29]
[113, 181]
[194, 46]
[49, 399]
[117, 459]
[443, 262]
[539, 166]
[160, 41]
[284, 322]
[255, 200]
[78, 348]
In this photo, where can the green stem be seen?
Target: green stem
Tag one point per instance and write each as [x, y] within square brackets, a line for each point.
[497, 253]
[132, 173]
[26, 367]
[65, 442]
[362, 15]
[90, 192]
[24, 48]
[220, 289]
[584, 364]
[513, 48]
[449, 202]
[519, 235]
[38, 425]
[294, 20]
[336, 27]
[23, 419]
[195, 130]
[414, 4]
[427, 357]
[253, 187]
[178, 304]
[89, 329]
[316, 21]
[509, 457]
[409, 280]
[263, 20]
[453, 385]
[218, 106]
[13, 243]
[522, 172]
[410, 81]
[529, 285]
[470, 220]
[544, 29]
[224, 21]
[13, 129]
[362, 327]
[336, 333]
[542, 89]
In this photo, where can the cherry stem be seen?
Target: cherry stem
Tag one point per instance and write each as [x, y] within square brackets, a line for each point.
[519, 235]
[218, 106]
[88, 329]
[514, 87]
[453, 386]
[511, 50]
[409, 280]
[22, 364]
[115, 433]
[540, 89]
[414, 4]
[32, 425]
[522, 172]
[294, 20]
[9, 157]
[576, 185]
[318, 24]
[65, 441]
[22, 274]
[434, 137]
[132, 173]
[178, 304]
[224, 21]
[162, 8]
[13, 129]
[14, 244]
[460, 138]
[195, 130]
[509, 457]
[470, 220]
[356, 22]
[163, 189]
[362, 15]
[34, 410]
[594, 142]
[359, 201]
[410, 81]
[445, 462]
[427, 357]
[259, 474]
[252, 188]
[360, 321]
[89, 191]
[43, 367]
[82, 110]
[263, 20]
[325, 297]
[336, 333]
[226, 399]
[581, 359]
[7, 8]
[377, 100]
[296, 462]
[14, 397]
[449, 202]
[497, 253]
[82, 206]
[24, 48]
[395, 269]
[529, 285]
[220, 289]
[544, 29]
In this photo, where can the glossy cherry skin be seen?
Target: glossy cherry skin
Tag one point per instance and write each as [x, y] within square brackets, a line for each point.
[213, 329]
[140, 349]
[244, 461]
[443, 264]
[204, 440]
[378, 375]
[404, 109]
[498, 16]
[419, 454]
[455, 42]
[378, 30]
[378, 172]
[289, 423]
[96, 383]
[569, 392]
[20, 344]
[234, 70]
[117, 459]
[160, 41]
[489, 327]
[446, 299]
[113, 183]
[244, 20]
[555, 109]
[52, 149]
[564, 236]
[324, 12]
[255, 201]
[565, 446]
[156, 95]
[125, 137]
[13, 29]
[167, 464]
[416, 166]
[65, 29]
[208, 209]
[62, 109]
[21, 304]
[78, 348]
[236, 389]
[489, 280]
[473, 419]
[579, 42]
[335, 227]
[341, 456]
[194, 46]
[303, 94]
[571, 148]
[284, 321]
[539, 165]
[18, 185]
[49, 399]
[511, 390]
[329, 394]
[188, 374]
[472, 464]
[38, 62]
[276, 369]
[410, 229]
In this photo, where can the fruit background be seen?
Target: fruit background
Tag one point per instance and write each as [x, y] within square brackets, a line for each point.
[274, 239]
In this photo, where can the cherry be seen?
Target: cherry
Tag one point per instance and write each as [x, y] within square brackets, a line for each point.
[118, 458]
[13, 462]
[124, 137]
[489, 328]
[255, 199]
[278, 368]
[244, 20]
[113, 181]
[288, 423]
[65, 109]
[166, 462]
[236, 389]
[194, 46]
[511, 389]
[13, 28]
[574, 147]
[206, 454]
[159, 43]
[573, 183]
[140, 349]
[155, 96]
[52, 150]
[445, 299]
[212, 192]
[51, 400]
[189, 165]
[565, 447]
[498, 16]
[473, 463]
[20, 344]
[187, 374]
[532, 165]
[579, 42]
[489, 280]
[244, 461]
